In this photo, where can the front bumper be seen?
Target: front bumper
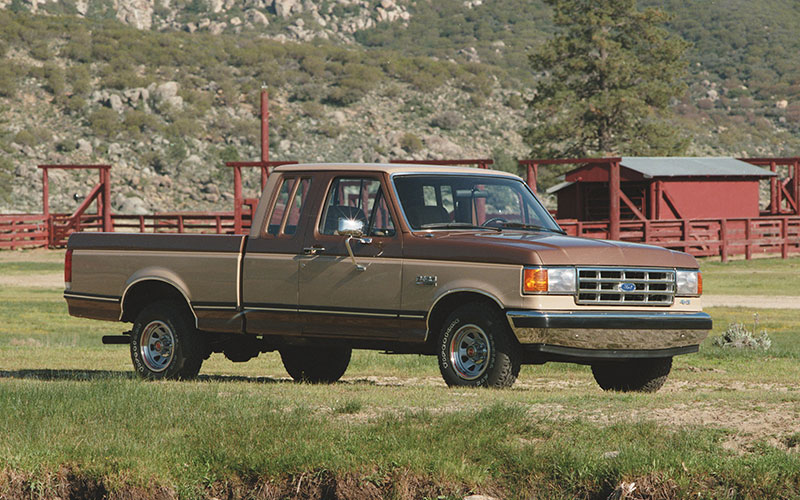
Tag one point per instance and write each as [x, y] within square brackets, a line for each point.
[610, 331]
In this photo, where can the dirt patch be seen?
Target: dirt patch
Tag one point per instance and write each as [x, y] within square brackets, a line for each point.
[44, 280]
[322, 484]
[752, 301]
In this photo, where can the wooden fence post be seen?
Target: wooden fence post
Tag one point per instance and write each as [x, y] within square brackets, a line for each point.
[723, 237]
[784, 237]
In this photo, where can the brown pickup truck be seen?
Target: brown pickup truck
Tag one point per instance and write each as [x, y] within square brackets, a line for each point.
[461, 263]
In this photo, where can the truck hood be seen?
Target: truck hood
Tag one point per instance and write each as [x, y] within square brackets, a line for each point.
[539, 248]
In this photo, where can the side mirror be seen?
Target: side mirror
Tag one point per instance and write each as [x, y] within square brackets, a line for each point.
[351, 227]
[354, 230]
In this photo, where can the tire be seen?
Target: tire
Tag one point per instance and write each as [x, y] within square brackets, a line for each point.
[316, 365]
[636, 375]
[164, 343]
[477, 349]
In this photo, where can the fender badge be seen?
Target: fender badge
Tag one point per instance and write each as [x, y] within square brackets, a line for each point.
[426, 280]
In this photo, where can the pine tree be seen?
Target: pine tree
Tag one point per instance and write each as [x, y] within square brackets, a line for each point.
[606, 81]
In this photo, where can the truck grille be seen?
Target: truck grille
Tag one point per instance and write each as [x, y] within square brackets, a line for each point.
[643, 287]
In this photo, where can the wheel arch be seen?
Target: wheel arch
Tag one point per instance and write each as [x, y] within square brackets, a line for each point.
[448, 302]
[148, 289]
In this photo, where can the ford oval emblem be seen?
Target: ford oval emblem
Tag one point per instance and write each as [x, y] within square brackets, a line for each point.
[627, 287]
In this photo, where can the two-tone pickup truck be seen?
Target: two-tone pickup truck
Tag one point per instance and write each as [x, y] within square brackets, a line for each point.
[461, 263]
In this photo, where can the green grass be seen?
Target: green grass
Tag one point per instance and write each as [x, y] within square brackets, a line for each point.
[17, 268]
[752, 277]
[68, 401]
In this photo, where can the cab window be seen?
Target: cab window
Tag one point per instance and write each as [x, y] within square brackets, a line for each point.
[357, 198]
[288, 206]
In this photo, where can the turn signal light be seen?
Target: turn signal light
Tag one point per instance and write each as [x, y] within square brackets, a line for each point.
[535, 280]
[699, 283]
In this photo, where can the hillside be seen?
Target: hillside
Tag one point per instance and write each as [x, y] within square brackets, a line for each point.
[166, 91]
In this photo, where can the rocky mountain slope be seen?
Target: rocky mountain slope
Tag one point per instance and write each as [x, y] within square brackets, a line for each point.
[167, 90]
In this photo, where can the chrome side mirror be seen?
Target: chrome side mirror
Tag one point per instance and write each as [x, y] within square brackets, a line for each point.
[354, 230]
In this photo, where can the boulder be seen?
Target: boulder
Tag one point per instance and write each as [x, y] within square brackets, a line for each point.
[285, 8]
[256, 17]
[134, 205]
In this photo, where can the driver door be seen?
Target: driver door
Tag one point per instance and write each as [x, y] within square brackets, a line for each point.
[340, 298]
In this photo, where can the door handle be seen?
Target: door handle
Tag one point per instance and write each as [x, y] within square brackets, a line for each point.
[313, 250]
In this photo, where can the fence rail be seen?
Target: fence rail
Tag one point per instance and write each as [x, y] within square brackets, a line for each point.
[23, 231]
[699, 237]
[704, 237]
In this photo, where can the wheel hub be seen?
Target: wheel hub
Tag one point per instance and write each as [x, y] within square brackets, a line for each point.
[470, 351]
[156, 345]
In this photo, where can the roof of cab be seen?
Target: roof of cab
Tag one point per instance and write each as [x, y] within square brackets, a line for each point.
[391, 168]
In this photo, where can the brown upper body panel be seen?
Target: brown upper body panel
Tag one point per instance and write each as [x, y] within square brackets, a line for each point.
[538, 248]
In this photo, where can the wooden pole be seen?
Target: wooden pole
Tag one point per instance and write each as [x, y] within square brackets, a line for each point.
[107, 222]
[264, 135]
[613, 207]
[237, 200]
[748, 233]
[723, 236]
[774, 208]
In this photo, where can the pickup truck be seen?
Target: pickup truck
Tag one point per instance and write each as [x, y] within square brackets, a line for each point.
[463, 264]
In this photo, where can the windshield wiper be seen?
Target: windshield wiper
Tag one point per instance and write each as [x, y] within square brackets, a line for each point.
[457, 225]
[520, 225]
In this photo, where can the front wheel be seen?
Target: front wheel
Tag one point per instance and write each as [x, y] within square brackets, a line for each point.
[635, 375]
[316, 364]
[477, 349]
[164, 343]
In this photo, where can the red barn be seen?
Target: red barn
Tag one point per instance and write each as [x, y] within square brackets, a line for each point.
[664, 188]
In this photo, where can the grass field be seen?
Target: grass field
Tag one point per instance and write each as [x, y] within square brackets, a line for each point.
[75, 420]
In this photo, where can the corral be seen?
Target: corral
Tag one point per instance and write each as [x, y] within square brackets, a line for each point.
[703, 206]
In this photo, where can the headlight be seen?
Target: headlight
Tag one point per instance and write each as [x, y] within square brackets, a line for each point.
[552, 280]
[689, 283]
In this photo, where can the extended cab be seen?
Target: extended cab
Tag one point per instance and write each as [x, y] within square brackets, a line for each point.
[461, 263]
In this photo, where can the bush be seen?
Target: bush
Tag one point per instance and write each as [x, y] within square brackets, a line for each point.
[447, 120]
[81, 80]
[6, 176]
[105, 122]
[8, 80]
[515, 101]
[411, 143]
[738, 336]
[54, 79]
[33, 137]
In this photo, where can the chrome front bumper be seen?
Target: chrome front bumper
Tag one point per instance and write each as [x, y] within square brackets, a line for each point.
[598, 330]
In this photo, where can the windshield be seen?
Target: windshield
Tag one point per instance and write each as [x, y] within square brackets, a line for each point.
[449, 201]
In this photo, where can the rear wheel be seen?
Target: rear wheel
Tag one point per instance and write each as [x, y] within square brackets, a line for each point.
[477, 349]
[316, 364]
[635, 375]
[164, 343]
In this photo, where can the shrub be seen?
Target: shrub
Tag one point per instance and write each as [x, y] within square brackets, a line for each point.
[8, 80]
[81, 80]
[54, 79]
[33, 137]
[447, 120]
[515, 101]
[738, 336]
[105, 122]
[411, 143]
[6, 176]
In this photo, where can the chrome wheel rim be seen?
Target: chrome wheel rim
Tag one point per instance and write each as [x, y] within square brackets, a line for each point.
[470, 352]
[156, 345]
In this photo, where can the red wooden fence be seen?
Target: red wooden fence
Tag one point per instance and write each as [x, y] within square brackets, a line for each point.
[23, 231]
